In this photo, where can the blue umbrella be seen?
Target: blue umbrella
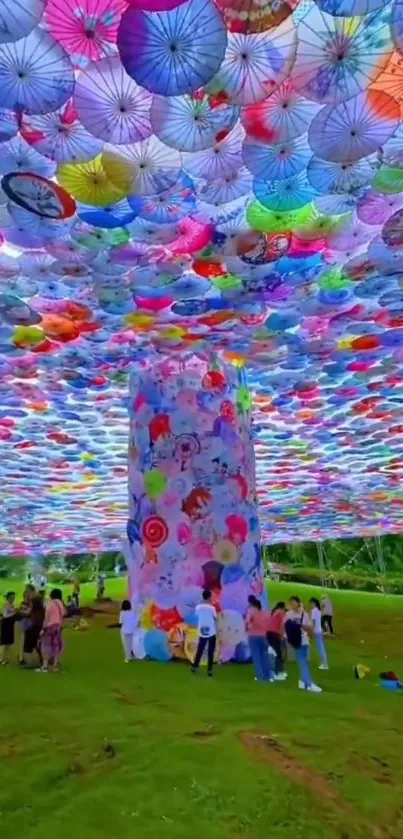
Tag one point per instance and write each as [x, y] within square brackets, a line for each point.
[18, 18]
[279, 160]
[36, 75]
[191, 123]
[113, 215]
[17, 156]
[329, 176]
[168, 206]
[174, 52]
[284, 195]
[8, 124]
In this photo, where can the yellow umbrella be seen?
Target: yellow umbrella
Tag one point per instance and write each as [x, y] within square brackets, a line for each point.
[89, 183]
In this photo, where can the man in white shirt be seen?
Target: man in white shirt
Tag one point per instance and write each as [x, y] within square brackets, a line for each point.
[207, 627]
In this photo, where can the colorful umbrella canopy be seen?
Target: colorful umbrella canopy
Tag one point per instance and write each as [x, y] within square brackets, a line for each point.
[214, 178]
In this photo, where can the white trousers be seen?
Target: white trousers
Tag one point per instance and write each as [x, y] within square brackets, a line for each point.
[127, 641]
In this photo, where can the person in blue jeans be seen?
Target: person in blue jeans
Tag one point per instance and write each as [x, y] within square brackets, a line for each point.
[316, 622]
[297, 626]
[256, 628]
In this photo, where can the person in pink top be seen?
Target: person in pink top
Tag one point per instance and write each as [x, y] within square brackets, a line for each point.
[51, 636]
[256, 628]
[275, 637]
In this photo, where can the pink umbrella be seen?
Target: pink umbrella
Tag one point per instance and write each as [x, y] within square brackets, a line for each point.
[87, 29]
[194, 235]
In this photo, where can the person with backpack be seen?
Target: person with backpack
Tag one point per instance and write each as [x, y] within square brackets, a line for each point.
[297, 626]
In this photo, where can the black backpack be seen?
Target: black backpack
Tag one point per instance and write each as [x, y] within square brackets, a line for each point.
[293, 631]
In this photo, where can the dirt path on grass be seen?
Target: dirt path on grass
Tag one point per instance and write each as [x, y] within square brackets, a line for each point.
[270, 751]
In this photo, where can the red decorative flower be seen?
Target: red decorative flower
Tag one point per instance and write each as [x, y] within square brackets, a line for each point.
[155, 531]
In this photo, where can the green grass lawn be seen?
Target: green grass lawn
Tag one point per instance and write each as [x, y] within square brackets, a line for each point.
[106, 749]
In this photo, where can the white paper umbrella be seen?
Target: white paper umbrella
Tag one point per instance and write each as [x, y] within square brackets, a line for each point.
[191, 123]
[355, 128]
[336, 204]
[285, 114]
[144, 168]
[375, 207]
[228, 188]
[392, 151]
[351, 236]
[60, 136]
[255, 65]
[19, 156]
[327, 176]
[338, 58]
[281, 160]
[218, 161]
[8, 124]
[111, 105]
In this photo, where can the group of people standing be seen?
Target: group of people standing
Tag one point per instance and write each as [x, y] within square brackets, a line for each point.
[271, 635]
[40, 621]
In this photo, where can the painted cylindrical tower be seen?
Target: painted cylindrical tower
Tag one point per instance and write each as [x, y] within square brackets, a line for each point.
[193, 519]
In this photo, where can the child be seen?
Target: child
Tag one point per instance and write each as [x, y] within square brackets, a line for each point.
[207, 627]
[127, 623]
[327, 615]
[256, 627]
[296, 628]
[7, 627]
[51, 635]
[316, 621]
[275, 636]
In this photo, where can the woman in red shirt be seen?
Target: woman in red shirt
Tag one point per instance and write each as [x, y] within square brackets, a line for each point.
[256, 627]
[275, 637]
